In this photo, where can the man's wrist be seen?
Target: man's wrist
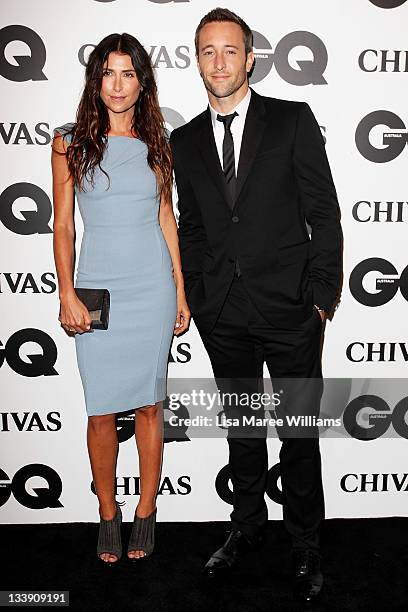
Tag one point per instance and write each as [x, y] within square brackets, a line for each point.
[320, 310]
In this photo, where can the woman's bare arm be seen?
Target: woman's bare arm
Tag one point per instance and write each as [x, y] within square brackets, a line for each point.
[73, 313]
[169, 228]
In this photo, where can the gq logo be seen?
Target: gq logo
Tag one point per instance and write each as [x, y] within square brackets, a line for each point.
[26, 222]
[385, 287]
[40, 497]
[37, 364]
[272, 489]
[388, 144]
[27, 67]
[172, 118]
[387, 4]
[306, 72]
[362, 425]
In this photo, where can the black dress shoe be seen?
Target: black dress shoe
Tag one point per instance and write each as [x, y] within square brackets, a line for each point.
[307, 575]
[227, 556]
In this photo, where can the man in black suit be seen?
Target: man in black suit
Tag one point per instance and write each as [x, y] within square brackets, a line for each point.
[250, 172]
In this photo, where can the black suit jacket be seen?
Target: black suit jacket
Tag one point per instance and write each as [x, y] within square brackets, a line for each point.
[283, 180]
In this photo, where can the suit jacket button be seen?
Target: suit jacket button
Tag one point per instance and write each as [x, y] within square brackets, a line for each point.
[235, 219]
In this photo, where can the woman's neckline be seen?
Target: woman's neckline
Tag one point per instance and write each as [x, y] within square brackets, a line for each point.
[122, 136]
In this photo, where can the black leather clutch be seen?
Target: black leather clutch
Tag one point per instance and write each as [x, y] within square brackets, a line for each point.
[97, 302]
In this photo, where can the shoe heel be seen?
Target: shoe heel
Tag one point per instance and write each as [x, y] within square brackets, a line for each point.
[109, 539]
[142, 536]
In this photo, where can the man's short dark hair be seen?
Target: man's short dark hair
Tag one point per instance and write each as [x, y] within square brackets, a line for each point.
[220, 15]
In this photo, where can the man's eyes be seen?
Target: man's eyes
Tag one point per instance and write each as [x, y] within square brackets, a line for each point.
[228, 52]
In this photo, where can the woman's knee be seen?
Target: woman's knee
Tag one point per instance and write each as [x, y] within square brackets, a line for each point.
[102, 422]
[148, 412]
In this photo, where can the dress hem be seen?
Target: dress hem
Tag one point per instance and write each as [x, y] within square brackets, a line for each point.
[140, 404]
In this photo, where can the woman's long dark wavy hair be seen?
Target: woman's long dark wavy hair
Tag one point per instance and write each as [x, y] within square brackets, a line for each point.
[89, 135]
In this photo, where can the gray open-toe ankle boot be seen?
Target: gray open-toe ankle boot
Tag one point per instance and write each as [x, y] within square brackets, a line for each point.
[142, 535]
[109, 540]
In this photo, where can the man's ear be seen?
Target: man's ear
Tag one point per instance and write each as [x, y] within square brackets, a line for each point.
[250, 61]
[198, 66]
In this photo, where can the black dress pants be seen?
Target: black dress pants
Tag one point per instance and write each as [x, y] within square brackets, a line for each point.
[239, 344]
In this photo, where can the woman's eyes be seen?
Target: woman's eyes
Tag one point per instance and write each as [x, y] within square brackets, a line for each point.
[126, 74]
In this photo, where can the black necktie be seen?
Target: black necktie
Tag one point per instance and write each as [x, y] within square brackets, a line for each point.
[228, 156]
[228, 159]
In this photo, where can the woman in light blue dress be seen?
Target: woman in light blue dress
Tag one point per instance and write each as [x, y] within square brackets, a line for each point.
[117, 161]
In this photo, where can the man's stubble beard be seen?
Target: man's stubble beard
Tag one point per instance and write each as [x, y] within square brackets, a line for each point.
[237, 84]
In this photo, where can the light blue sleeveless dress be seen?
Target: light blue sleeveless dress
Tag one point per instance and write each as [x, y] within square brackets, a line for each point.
[123, 250]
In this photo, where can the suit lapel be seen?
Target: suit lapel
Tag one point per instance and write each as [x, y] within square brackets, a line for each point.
[253, 133]
[208, 149]
[251, 139]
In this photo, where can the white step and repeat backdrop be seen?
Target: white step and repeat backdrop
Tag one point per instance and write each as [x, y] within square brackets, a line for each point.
[349, 61]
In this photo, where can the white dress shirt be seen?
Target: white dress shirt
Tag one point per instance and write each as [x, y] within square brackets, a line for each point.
[237, 128]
